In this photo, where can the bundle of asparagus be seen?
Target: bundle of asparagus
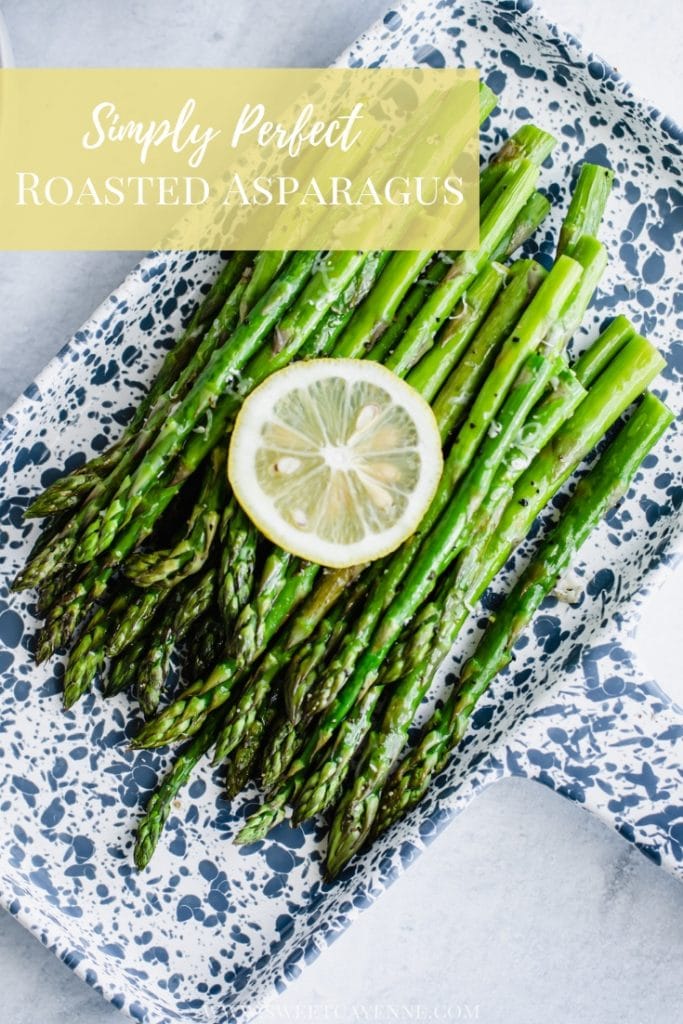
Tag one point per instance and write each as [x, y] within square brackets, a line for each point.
[309, 678]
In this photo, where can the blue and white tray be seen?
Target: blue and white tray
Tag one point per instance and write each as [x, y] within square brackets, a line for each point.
[209, 932]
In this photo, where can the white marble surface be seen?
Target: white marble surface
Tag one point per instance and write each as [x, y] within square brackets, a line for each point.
[525, 910]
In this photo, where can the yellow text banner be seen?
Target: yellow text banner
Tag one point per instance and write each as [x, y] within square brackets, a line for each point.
[239, 159]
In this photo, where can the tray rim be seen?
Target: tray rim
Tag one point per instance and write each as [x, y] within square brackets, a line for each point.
[533, 11]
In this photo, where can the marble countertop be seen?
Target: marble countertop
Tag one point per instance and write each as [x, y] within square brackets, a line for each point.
[496, 923]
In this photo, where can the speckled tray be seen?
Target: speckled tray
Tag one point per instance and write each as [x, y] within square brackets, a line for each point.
[210, 932]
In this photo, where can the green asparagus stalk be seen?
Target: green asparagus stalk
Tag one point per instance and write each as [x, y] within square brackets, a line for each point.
[332, 585]
[186, 604]
[137, 616]
[205, 647]
[123, 669]
[237, 559]
[248, 708]
[67, 491]
[161, 801]
[53, 588]
[320, 643]
[249, 631]
[266, 816]
[283, 744]
[323, 340]
[168, 567]
[594, 495]
[596, 357]
[587, 206]
[527, 142]
[86, 659]
[267, 266]
[88, 656]
[242, 763]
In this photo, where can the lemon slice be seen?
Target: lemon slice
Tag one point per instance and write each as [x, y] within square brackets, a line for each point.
[335, 460]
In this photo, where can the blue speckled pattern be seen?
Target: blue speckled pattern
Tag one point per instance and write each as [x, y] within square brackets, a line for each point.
[210, 931]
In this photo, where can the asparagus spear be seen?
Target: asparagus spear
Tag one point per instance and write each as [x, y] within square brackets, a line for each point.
[341, 312]
[187, 603]
[283, 744]
[68, 490]
[267, 266]
[237, 558]
[594, 495]
[123, 669]
[86, 659]
[248, 635]
[88, 656]
[597, 356]
[138, 613]
[241, 765]
[320, 644]
[248, 708]
[266, 816]
[161, 801]
[528, 141]
[168, 567]
[205, 646]
[587, 206]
